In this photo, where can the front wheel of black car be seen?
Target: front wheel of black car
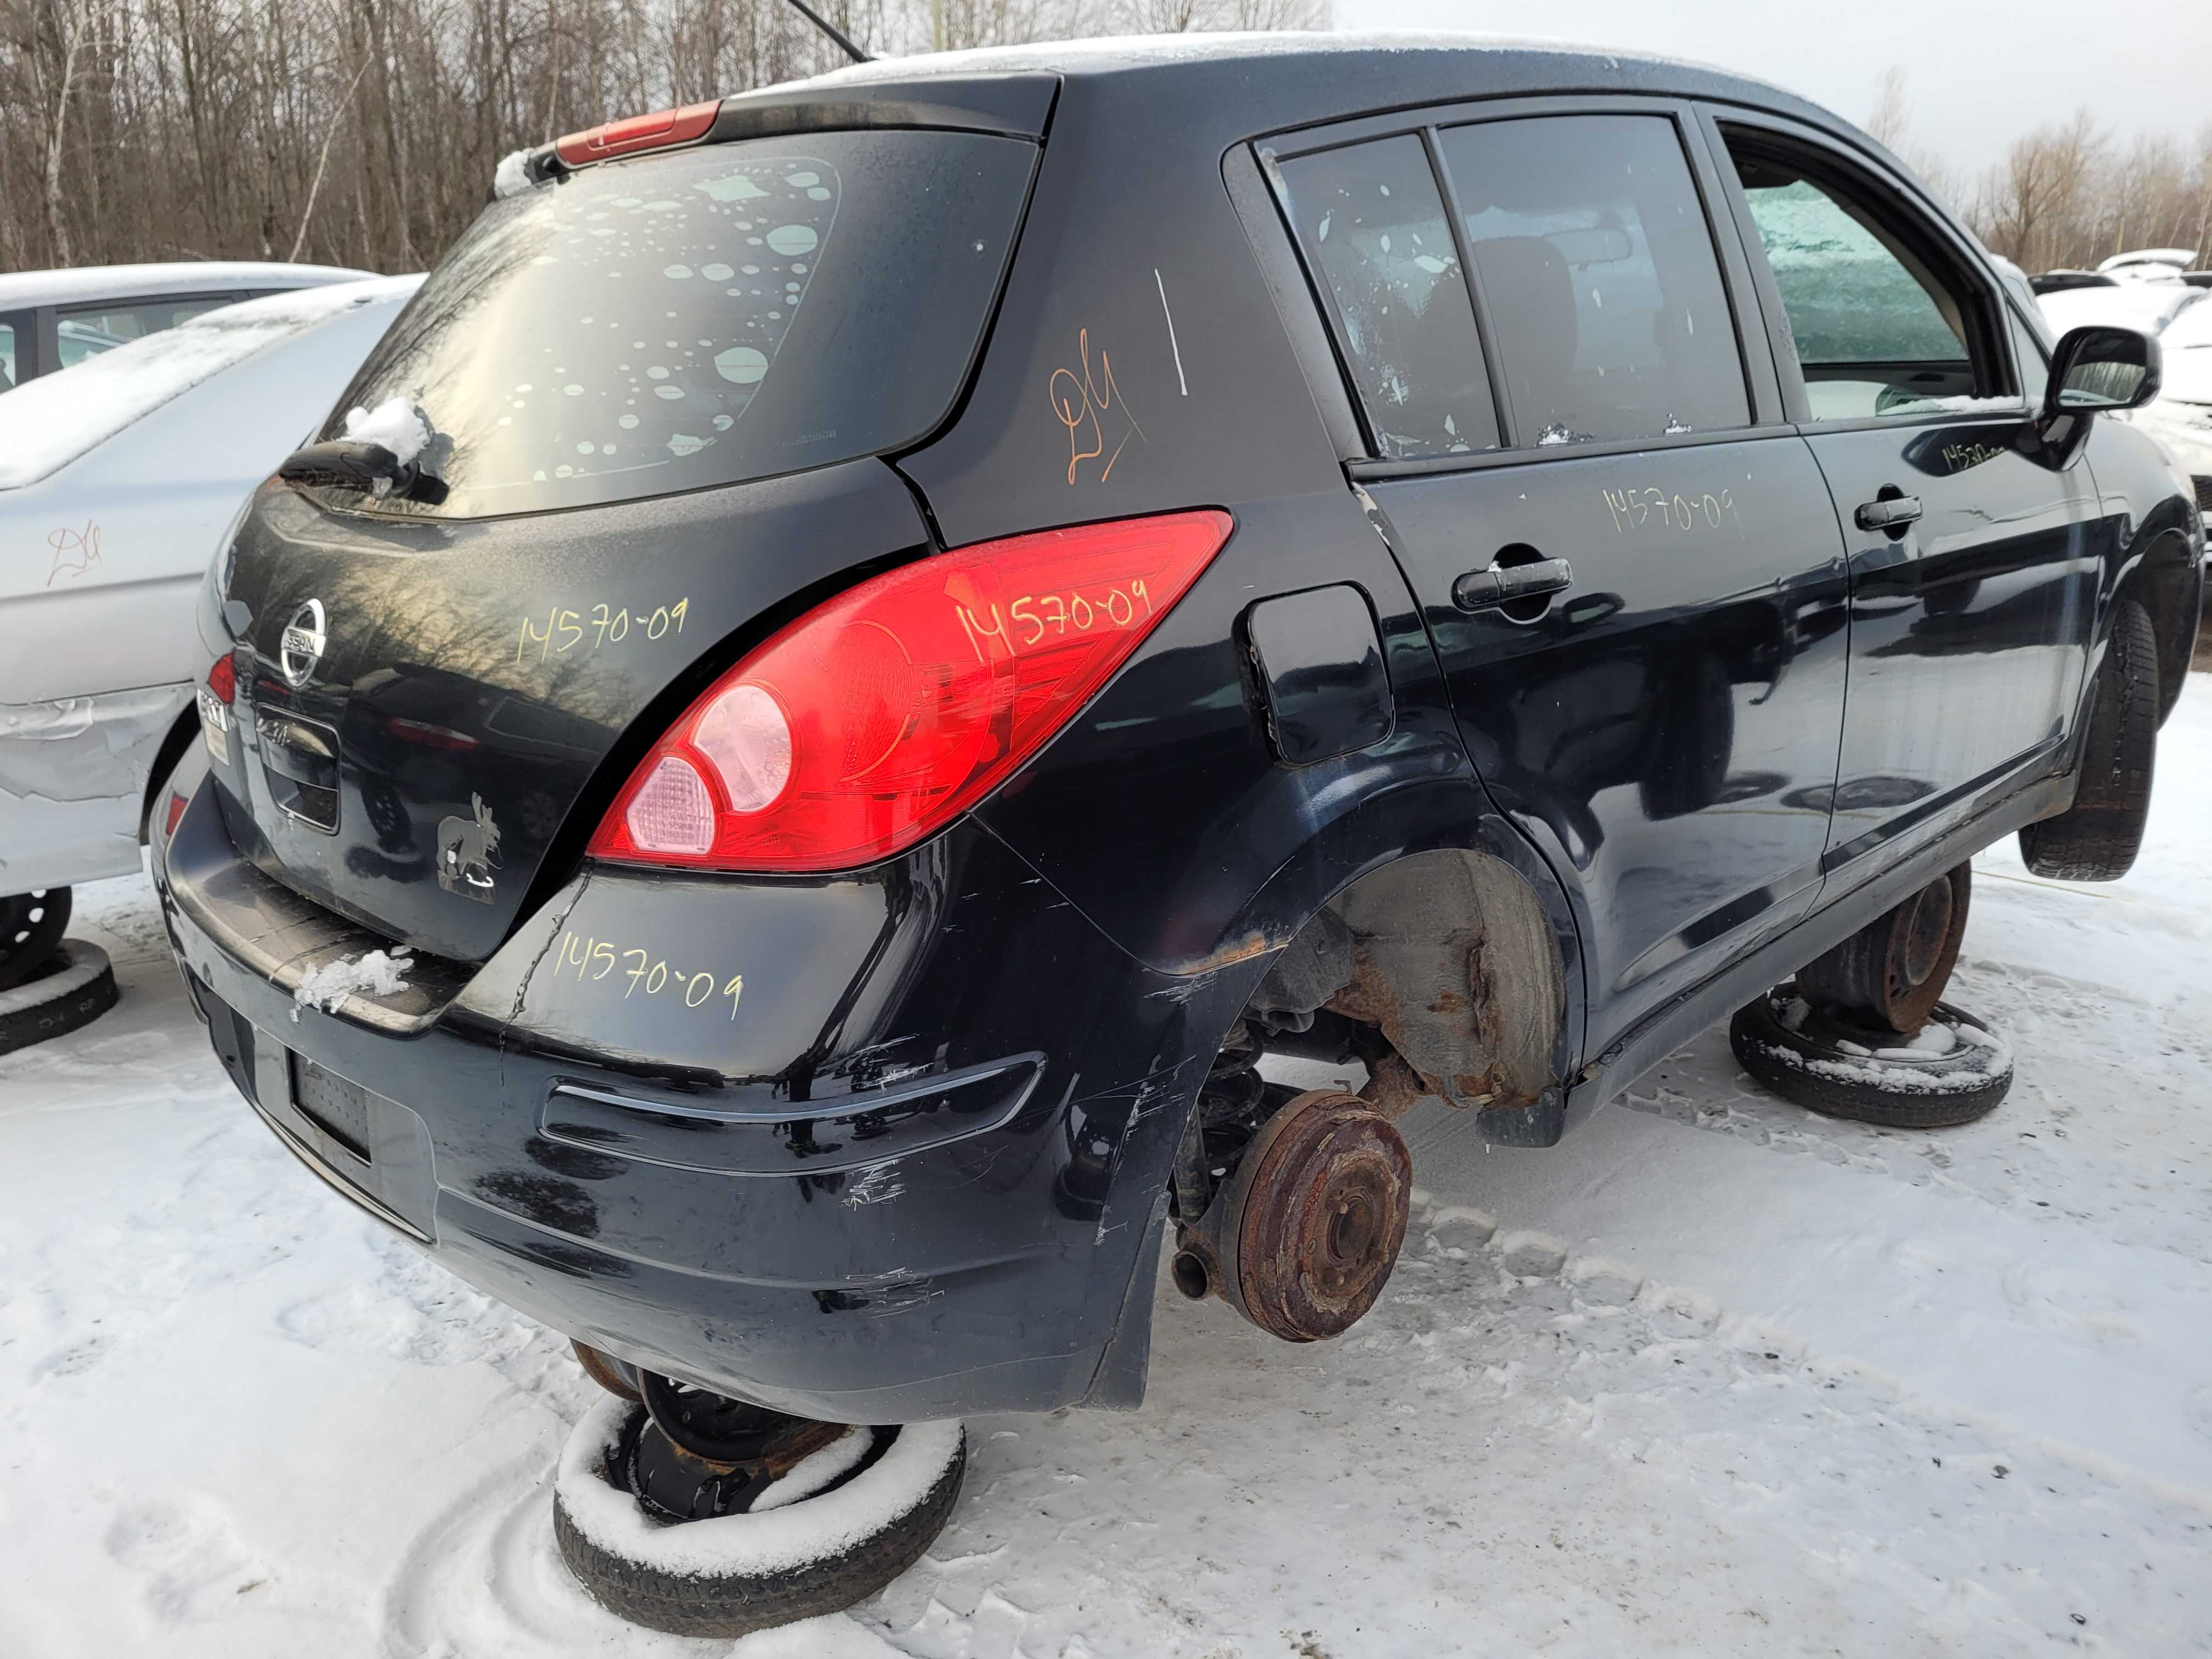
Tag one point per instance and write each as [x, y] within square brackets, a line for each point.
[828, 1531]
[2097, 838]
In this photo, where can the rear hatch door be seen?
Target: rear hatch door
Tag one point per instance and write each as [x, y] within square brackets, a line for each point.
[654, 394]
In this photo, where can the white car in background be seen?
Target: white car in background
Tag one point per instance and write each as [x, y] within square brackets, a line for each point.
[118, 482]
[2180, 416]
[2146, 303]
[54, 320]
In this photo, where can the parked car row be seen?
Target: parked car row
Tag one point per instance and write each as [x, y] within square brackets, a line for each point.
[2155, 290]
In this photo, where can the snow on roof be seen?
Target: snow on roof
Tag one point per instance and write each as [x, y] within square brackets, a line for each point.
[49, 421]
[91, 282]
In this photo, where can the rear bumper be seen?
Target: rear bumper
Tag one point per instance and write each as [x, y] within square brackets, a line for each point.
[914, 1167]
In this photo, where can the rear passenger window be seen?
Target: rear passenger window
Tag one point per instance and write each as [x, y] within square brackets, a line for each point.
[1597, 276]
[1373, 228]
[1878, 331]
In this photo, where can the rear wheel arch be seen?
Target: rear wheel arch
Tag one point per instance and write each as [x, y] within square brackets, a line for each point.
[1462, 961]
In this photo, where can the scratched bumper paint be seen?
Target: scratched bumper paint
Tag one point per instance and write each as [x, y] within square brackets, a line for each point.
[1007, 1267]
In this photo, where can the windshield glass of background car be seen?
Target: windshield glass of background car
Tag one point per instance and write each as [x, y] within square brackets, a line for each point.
[704, 317]
[1598, 277]
[1876, 332]
[1372, 224]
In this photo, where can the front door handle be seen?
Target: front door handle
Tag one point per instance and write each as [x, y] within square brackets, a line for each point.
[1892, 512]
[1502, 584]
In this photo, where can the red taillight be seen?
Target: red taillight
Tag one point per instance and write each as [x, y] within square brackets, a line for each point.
[222, 678]
[876, 719]
[657, 130]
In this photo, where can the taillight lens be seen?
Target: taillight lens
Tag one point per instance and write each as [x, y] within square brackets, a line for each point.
[222, 678]
[878, 718]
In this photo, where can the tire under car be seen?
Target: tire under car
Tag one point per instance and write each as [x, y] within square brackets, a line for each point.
[77, 987]
[1863, 1032]
[692, 1597]
[1955, 1071]
[31, 928]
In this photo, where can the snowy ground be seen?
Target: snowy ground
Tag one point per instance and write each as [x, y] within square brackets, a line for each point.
[1714, 1376]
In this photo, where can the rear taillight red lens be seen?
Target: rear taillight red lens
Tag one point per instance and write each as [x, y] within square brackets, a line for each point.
[223, 679]
[878, 718]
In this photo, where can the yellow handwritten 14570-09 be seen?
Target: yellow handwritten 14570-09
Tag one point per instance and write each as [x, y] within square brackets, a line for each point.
[640, 973]
[564, 630]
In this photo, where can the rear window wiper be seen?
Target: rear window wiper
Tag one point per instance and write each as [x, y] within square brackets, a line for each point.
[356, 463]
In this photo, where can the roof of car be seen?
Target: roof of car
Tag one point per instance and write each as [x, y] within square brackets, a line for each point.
[83, 282]
[1349, 72]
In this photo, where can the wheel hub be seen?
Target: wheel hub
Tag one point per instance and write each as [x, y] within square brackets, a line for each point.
[1303, 1239]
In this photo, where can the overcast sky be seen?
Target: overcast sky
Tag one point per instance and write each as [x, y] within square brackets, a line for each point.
[1977, 75]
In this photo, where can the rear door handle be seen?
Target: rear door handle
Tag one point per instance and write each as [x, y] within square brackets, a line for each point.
[1502, 584]
[1892, 512]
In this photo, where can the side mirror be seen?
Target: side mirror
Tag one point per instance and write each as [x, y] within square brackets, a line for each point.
[2101, 367]
[2097, 369]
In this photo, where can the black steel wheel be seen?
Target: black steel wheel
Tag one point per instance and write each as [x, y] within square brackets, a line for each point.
[77, 988]
[1892, 973]
[2097, 838]
[1953, 1072]
[31, 927]
[833, 1530]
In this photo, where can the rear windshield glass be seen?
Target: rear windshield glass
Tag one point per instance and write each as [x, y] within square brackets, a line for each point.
[704, 317]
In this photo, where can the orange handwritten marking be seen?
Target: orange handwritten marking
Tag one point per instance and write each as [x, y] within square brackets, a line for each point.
[1084, 402]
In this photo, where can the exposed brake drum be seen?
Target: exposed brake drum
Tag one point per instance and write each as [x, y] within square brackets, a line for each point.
[1302, 1239]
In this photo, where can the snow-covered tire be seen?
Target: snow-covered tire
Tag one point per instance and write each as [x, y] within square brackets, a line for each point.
[1955, 1071]
[31, 928]
[77, 988]
[2097, 838]
[728, 1575]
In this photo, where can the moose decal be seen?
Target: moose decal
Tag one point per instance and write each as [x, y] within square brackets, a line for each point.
[468, 849]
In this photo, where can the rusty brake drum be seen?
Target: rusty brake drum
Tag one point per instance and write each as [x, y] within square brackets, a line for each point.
[1302, 1239]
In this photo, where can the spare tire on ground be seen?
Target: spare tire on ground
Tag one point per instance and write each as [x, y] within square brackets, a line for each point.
[835, 1528]
[1953, 1072]
[77, 988]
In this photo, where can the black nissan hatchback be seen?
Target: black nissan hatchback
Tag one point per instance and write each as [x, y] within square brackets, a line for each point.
[913, 626]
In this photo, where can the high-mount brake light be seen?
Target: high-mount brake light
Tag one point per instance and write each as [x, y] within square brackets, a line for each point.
[663, 129]
[880, 717]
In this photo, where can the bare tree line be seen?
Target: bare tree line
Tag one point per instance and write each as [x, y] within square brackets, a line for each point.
[2069, 193]
[364, 132]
